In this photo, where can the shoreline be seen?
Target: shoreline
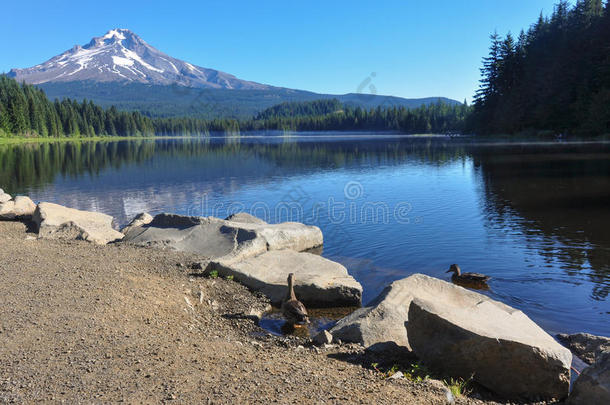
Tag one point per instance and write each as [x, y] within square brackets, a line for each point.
[133, 286]
[112, 323]
[470, 139]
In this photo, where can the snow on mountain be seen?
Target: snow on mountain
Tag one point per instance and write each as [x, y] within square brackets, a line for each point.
[122, 56]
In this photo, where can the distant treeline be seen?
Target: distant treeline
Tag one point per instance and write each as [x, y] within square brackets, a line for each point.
[332, 115]
[26, 111]
[554, 77]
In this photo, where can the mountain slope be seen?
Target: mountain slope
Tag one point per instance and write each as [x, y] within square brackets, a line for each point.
[122, 56]
[121, 69]
[178, 101]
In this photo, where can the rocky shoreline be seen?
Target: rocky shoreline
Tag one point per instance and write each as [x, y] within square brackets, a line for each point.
[419, 320]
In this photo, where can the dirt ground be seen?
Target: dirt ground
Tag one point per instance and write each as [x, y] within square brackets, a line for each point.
[81, 323]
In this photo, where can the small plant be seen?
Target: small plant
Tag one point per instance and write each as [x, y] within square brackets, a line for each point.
[230, 278]
[417, 373]
[392, 371]
[213, 274]
[458, 386]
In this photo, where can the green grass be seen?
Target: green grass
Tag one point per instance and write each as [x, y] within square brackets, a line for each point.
[458, 386]
[12, 140]
[213, 274]
[415, 372]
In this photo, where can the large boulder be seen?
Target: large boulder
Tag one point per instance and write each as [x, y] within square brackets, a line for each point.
[593, 384]
[58, 222]
[20, 208]
[380, 326]
[585, 345]
[319, 282]
[139, 220]
[226, 240]
[463, 333]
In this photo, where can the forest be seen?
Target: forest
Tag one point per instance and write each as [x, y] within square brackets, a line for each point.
[554, 77]
[26, 111]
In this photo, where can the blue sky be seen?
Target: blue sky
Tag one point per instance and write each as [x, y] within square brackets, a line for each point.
[414, 48]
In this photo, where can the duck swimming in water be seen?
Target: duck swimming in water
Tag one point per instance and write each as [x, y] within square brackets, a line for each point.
[475, 280]
[294, 311]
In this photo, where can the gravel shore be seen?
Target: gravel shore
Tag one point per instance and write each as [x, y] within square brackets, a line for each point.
[81, 323]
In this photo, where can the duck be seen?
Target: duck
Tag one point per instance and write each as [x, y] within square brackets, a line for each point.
[293, 310]
[470, 279]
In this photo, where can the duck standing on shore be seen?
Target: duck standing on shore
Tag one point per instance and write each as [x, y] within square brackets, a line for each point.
[474, 280]
[294, 311]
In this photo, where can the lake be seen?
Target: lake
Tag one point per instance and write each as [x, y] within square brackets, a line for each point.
[535, 217]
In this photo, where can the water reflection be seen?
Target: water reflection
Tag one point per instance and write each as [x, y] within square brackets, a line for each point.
[533, 217]
[559, 198]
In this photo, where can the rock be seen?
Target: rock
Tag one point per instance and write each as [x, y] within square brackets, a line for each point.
[585, 345]
[4, 197]
[381, 325]
[141, 219]
[319, 282]
[58, 222]
[20, 208]
[396, 375]
[323, 338]
[463, 334]
[221, 239]
[245, 218]
[593, 384]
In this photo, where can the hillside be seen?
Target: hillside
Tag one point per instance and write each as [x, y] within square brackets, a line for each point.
[180, 101]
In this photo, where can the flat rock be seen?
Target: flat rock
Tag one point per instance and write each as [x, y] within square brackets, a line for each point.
[57, 222]
[141, 219]
[245, 218]
[19, 208]
[319, 282]
[219, 239]
[585, 345]
[463, 334]
[593, 384]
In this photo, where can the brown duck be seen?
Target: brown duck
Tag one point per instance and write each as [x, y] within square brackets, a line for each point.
[470, 279]
[294, 311]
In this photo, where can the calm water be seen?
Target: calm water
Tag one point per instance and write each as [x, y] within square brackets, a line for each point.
[535, 217]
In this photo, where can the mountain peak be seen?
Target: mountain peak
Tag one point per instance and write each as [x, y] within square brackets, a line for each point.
[122, 56]
[118, 33]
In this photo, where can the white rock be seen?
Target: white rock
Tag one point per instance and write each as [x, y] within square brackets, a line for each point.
[224, 240]
[463, 333]
[4, 197]
[19, 208]
[141, 219]
[381, 325]
[58, 222]
[318, 281]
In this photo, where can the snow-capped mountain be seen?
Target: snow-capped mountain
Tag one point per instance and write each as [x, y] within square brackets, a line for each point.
[122, 56]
